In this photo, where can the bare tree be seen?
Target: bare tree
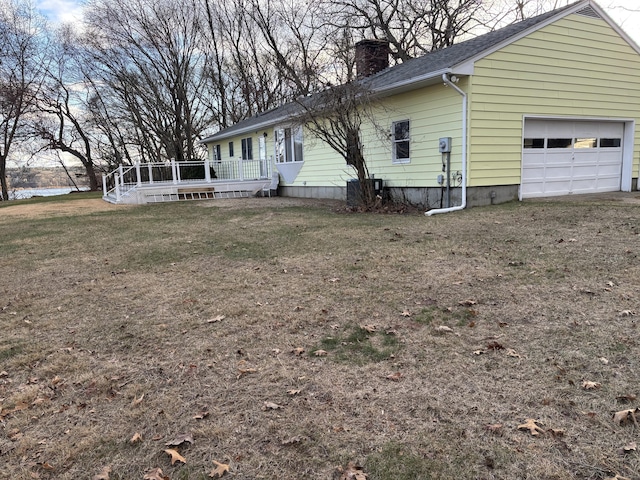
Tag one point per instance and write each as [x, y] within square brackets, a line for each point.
[22, 65]
[148, 53]
[336, 116]
[412, 27]
[63, 122]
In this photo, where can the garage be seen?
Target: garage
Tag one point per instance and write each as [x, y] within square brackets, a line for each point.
[562, 157]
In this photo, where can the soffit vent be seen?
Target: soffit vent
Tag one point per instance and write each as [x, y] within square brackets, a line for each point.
[588, 12]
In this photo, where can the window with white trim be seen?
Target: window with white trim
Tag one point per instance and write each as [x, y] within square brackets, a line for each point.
[400, 141]
[247, 148]
[230, 149]
[288, 144]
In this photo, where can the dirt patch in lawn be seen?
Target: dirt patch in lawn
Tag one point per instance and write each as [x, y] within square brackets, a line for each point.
[286, 339]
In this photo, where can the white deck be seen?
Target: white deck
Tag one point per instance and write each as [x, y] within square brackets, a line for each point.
[176, 181]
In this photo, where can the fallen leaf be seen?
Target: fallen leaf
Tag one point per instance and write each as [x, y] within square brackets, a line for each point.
[276, 351]
[352, 472]
[512, 353]
[494, 346]
[530, 424]
[175, 456]
[369, 328]
[603, 361]
[154, 474]
[201, 415]
[292, 440]
[556, 432]
[180, 439]
[320, 353]
[220, 470]
[136, 438]
[631, 447]
[216, 319]
[587, 385]
[626, 398]
[406, 313]
[443, 329]
[46, 466]
[334, 280]
[245, 371]
[467, 303]
[617, 477]
[623, 416]
[627, 313]
[293, 392]
[103, 475]
[3, 374]
[395, 377]
[478, 352]
[137, 401]
[271, 406]
[297, 351]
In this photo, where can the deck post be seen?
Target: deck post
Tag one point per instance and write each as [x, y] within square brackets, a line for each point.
[174, 177]
[150, 172]
[138, 179]
[104, 185]
[207, 173]
[240, 172]
[117, 181]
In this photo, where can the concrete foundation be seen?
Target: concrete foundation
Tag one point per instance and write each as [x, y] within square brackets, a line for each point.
[422, 197]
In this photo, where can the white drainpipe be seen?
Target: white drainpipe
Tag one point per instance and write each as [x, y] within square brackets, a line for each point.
[447, 81]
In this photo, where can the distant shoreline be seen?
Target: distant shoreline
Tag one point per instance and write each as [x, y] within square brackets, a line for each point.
[23, 193]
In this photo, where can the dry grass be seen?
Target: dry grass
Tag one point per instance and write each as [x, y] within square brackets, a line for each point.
[107, 331]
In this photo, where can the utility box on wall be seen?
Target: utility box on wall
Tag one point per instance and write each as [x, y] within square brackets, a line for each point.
[444, 145]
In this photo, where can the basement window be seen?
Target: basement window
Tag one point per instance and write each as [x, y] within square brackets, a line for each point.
[401, 140]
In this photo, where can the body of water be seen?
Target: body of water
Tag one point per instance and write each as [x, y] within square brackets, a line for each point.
[37, 192]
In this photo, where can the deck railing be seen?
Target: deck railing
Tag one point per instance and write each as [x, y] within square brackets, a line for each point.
[128, 177]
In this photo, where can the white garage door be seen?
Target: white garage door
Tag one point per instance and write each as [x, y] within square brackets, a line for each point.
[562, 157]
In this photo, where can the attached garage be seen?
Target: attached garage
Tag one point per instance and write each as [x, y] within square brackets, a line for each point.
[562, 157]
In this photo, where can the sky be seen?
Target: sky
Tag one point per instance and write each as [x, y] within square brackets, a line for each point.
[625, 13]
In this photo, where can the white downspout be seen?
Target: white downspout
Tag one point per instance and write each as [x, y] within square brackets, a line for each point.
[445, 79]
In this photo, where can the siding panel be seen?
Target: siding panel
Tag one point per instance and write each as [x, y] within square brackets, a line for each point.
[578, 66]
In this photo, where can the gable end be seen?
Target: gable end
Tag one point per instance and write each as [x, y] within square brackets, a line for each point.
[589, 12]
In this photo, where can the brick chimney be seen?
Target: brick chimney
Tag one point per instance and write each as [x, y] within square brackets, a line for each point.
[372, 56]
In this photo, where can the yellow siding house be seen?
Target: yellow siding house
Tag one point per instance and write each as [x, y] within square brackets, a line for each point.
[543, 107]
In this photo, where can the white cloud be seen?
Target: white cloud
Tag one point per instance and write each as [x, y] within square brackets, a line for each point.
[61, 11]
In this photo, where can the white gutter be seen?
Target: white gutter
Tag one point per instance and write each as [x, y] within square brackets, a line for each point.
[448, 82]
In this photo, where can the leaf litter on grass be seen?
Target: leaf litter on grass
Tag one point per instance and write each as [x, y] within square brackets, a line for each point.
[157, 341]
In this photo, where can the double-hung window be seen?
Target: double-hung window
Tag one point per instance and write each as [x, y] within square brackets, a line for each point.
[247, 149]
[288, 145]
[231, 150]
[400, 141]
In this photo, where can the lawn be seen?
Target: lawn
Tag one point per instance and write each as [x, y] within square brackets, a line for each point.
[288, 339]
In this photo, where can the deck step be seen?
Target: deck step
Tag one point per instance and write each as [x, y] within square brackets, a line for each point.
[196, 195]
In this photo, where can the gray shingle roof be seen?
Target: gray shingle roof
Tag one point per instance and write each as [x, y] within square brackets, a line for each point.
[430, 64]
